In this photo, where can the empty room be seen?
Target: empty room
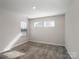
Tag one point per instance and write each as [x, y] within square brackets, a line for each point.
[39, 29]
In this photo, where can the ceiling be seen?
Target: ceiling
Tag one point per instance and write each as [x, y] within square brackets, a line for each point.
[35, 8]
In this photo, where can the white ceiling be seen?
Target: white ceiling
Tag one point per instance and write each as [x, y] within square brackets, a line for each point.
[43, 7]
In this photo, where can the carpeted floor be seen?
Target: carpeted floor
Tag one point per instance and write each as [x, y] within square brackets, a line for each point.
[32, 50]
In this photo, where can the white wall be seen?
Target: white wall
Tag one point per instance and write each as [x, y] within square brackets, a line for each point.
[25, 35]
[9, 29]
[54, 35]
[72, 30]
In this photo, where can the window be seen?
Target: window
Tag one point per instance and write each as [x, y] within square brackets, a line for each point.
[38, 24]
[23, 26]
[49, 23]
[44, 24]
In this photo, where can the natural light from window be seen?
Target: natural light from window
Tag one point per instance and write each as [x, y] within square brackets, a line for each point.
[44, 24]
[49, 23]
[23, 26]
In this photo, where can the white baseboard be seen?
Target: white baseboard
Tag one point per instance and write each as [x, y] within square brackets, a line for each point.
[73, 55]
[46, 42]
[20, 43]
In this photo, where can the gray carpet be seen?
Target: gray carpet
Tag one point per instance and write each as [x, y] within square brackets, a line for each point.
[34, 50]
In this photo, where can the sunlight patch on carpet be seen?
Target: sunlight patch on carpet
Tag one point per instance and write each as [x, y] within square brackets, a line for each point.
[14, 54]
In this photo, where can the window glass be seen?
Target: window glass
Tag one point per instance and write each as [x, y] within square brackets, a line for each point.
[49, 23]
[44, 24]
[38, 24]
[23, 26]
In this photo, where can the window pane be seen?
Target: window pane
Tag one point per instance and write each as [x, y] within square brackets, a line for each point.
[49, 23]
[23, 26]
[44, 24]
[38, 24]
